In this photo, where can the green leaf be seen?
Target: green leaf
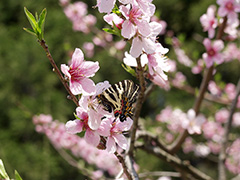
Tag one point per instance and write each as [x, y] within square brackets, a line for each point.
[111, 31]
[3, 173]
[129, 69]
[116, 10]
[31, 19]
[29, 31]
[17, 176]
[41, 21]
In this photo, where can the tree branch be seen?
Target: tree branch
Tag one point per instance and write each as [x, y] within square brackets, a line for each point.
[57, 71]
[227, 129]
[184, 167]
[203, 87]
[124, 166]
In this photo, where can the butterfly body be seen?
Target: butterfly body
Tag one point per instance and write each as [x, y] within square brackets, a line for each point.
[119, 98]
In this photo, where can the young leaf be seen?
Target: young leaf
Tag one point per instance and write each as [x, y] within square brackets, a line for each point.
[17, 176]
[31, 19]
[29, 31]
[3, 173]
[129, 69]
[41, 21]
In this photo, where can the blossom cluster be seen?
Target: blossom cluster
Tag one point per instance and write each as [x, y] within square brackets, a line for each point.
[91, 117]
[177, 120]
[77, 13]
[228, 92]
[76, 145]
[134, 23]
[209, 21]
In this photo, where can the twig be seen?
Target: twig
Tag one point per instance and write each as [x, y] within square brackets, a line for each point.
[73, 162]
[208, 96]
[124, 166]
[160, 173]
[184, 167]
[57, 71]
[207, 76]
[227, 129]
[138, 107]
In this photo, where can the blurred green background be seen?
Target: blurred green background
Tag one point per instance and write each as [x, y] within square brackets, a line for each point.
[28, 85]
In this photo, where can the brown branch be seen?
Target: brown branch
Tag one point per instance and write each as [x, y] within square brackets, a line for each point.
[138, 106]
[208, 96]
[73, 162]
[227, 129]
[57, 71]
[124, 166]
[160, 173]
[203, 87]
[184, 167]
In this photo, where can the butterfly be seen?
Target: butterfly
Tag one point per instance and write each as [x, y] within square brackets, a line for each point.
[119, 98]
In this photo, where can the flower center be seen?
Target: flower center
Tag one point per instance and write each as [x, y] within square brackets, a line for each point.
[211, 52]
[76, 74]
[229, 6]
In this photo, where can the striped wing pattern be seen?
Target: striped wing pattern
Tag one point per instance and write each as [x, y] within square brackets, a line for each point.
[119, 98]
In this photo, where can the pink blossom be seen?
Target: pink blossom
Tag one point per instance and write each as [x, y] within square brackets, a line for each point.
[76, 10]
[116, 136]
[179, 79]
[165, 114]
[231, 52]
[214, 89]
[113, 18]
[147, 44]
[105, 6]
[236, 119]
[42, 119]
[78, 147]
[134, 22]
[91, 106]
[120, 45]
[214, 147]
[76, 126]
[201, 150]
[230, 90]
[182, 57]
[222, 115]
[78, 74]
[213, 130]
[193, 123]
[146, 6]
[188, 145]
[228, 8]
[233, 159]
[199, 67]
[77, 13]
[89, 49]
[209, 21]
[213, 52]
[83, 24]
[163, 24]
[232, 30]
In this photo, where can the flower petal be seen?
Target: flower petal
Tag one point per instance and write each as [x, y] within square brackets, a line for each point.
[88, 87]
[128, 29]
[111, 145]
[77, 58]
[136, 48]
[121, 140]
[65, 69]
[92, 137]
[89, 68]
[74, 126]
